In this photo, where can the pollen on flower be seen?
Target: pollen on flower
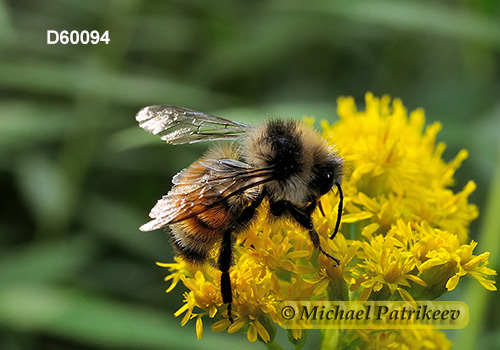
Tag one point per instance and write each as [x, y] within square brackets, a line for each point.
[404, 235]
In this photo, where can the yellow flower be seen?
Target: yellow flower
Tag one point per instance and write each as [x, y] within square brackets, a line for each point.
[387, 267]
[408, 339]
[443, 259]
[396, 171]
[404, 236]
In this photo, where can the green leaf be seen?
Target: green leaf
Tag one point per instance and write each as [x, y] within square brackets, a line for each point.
[98, 321]
[47, 261]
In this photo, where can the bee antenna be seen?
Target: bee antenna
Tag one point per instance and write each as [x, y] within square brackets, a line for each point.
[339, 214]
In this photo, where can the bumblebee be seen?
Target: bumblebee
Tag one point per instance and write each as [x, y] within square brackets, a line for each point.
[217, 196]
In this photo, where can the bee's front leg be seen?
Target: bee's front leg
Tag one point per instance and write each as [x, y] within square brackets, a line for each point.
[303, 218]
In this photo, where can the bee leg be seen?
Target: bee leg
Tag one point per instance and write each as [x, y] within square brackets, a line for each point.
[321, 208]
[310, 208]
[225, 257]
[303, 218]
[226, 252]
[315, 240]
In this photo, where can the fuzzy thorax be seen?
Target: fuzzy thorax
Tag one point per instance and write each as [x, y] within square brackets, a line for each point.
[304, 164]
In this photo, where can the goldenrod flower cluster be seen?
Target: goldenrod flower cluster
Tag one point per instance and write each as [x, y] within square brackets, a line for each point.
[404, 236]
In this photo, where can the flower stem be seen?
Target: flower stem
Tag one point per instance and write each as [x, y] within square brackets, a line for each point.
[476, 296]
[330, 339]
[272, 345]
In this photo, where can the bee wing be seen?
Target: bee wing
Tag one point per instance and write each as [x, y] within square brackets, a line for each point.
[206, 183]
[177, 125]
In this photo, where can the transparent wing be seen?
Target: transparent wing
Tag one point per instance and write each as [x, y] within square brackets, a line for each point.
[206, 183]
[177, 125]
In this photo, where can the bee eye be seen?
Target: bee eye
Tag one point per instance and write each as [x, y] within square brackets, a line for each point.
[323, 179]
[325, 174]
[325, 182]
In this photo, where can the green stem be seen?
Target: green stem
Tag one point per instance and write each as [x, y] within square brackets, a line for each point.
[272, 345]
[330, 339]
[476, 296]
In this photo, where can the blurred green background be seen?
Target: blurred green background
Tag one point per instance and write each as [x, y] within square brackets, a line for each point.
[78, 176]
